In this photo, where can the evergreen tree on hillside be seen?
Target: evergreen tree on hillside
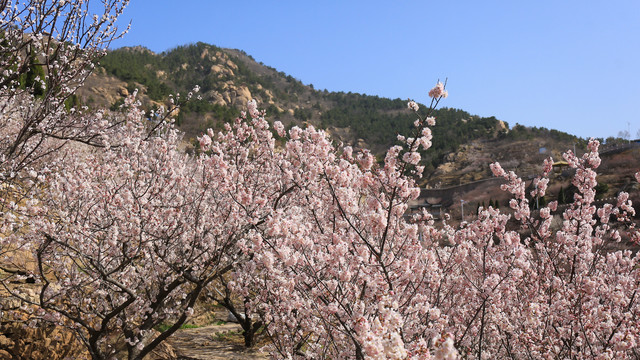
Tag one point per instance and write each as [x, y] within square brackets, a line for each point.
[374, 119]
[34, 77]
[562, 196]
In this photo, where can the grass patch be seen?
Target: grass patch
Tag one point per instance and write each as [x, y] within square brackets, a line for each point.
[165, 327]
[229, 336]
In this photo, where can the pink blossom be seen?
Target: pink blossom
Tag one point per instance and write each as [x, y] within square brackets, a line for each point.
[279, 127]
[252, 108]
[412, 158]
[438, 91]
[205, 142]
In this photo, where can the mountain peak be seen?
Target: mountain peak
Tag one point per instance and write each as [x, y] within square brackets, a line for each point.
[228, 78]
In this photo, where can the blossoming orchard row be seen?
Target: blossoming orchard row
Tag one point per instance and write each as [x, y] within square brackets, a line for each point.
[303, 241]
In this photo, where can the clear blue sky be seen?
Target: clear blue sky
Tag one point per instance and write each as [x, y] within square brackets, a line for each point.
[567, 65]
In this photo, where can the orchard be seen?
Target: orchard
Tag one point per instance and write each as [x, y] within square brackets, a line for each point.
[308, 243]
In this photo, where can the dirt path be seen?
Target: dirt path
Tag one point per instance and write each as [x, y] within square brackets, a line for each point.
[212, 342]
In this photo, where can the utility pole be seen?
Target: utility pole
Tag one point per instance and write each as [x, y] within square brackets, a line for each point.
[462, 209]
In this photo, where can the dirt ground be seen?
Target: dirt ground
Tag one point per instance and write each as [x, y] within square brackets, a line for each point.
[212, 342]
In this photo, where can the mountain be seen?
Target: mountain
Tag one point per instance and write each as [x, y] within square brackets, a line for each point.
[463, 144]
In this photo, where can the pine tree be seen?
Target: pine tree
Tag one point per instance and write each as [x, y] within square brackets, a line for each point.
[33, 77]
[561, 196]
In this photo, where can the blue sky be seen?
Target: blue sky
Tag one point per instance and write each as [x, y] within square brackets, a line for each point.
[567, 65]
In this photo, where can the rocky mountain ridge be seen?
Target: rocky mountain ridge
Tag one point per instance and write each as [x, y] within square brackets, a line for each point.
[463, 144]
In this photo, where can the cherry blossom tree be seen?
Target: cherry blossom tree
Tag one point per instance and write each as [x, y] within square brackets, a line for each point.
[544, 292]
[318, 245]
[127, 237]
[259, 188]
[337, 270]
[536, 291]
[308, 240]
[340, 270]
[47, 49]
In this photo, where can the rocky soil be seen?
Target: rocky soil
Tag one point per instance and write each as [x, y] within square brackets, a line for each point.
[213, 342]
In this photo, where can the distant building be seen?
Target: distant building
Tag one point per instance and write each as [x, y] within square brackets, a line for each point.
[431, 205]
[559, 166]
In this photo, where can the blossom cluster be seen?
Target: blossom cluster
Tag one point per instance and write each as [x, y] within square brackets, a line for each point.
[438, 91]
[123, 231]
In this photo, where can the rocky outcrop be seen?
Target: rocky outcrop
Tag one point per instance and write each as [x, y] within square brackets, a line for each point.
[19, 341]
[102, 90]
[48, 342]
[232, 65]
[221, 70]
[21, 337]
[241, 95]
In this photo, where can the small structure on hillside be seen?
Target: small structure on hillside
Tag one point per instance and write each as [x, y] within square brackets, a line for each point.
[432, 205]
[559, 166]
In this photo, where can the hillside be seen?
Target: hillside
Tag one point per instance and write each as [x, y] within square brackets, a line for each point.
[463, 144]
